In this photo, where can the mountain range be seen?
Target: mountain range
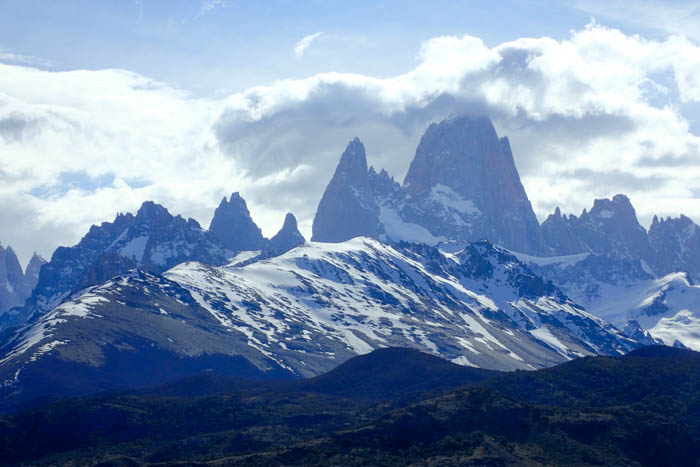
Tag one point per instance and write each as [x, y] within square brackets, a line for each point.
[452, 262]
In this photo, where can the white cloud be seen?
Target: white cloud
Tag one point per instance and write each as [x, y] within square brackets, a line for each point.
[589, 116]
[304, 43]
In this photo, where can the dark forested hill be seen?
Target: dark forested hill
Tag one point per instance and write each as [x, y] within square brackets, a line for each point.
[390, 407]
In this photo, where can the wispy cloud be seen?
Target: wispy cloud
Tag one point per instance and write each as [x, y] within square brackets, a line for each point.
[304, 43]
[208, 5]
[668, 16]
[20, 59]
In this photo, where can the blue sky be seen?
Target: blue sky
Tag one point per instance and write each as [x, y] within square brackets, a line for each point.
[223, 46]
[104, 104]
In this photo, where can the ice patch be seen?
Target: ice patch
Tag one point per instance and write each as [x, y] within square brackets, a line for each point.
[135, 249]
[445, 196]
[562, 261]
[464, 361]
[545, 335]
[396, 229]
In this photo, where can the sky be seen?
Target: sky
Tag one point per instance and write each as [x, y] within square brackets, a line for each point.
[104, 105]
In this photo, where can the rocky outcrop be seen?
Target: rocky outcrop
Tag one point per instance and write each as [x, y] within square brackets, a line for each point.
[676, 245]
[348, 207]
[12, 284]
[609, 228]
[31, 274]
[287, 238]
[234, 227]
[15, 285]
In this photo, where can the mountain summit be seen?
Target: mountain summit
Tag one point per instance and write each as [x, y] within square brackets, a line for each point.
[234, 227]
[15, 285]
[348, 208]
[462, 185]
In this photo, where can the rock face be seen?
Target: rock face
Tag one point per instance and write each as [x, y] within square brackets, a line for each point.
[31, 274]
[12, 285]
[234, 227]
[610, 228]
[676, 245]
[16, 286]
[348, 208]
[461, 186]
[287, 238]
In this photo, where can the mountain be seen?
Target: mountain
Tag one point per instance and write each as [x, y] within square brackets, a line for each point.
[388, 373]
[637, 409]
[287, 238]
[620, 272]
[462, 186]
[15, 285]
[610, 228]
[676, 245]
[234, 227]
[301, 314]
[136, 329]
[348, 208]
[31, 274]
[152, 240]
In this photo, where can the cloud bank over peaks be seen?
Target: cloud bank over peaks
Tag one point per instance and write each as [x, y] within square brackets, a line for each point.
[589, 116]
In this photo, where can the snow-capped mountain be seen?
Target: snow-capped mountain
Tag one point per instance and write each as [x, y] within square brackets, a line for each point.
[308, 310]
[156, 296]
[611, 229]
[620, 272]
[626, 293]
[16, 285]
[153, 240]
[462, 185]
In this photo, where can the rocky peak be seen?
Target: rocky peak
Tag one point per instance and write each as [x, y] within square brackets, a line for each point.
[452, 153]
[348, 207]
[14, 289]
[676, 244]
[31, 275]
[151, 210]
[609, 228]
[559, 234]
[287, 238]
[382, 184]
[234, 227]
[353, 163]
[462, 160]
[618, 209]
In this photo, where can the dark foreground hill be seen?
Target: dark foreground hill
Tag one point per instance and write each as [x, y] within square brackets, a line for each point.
[390, 407]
